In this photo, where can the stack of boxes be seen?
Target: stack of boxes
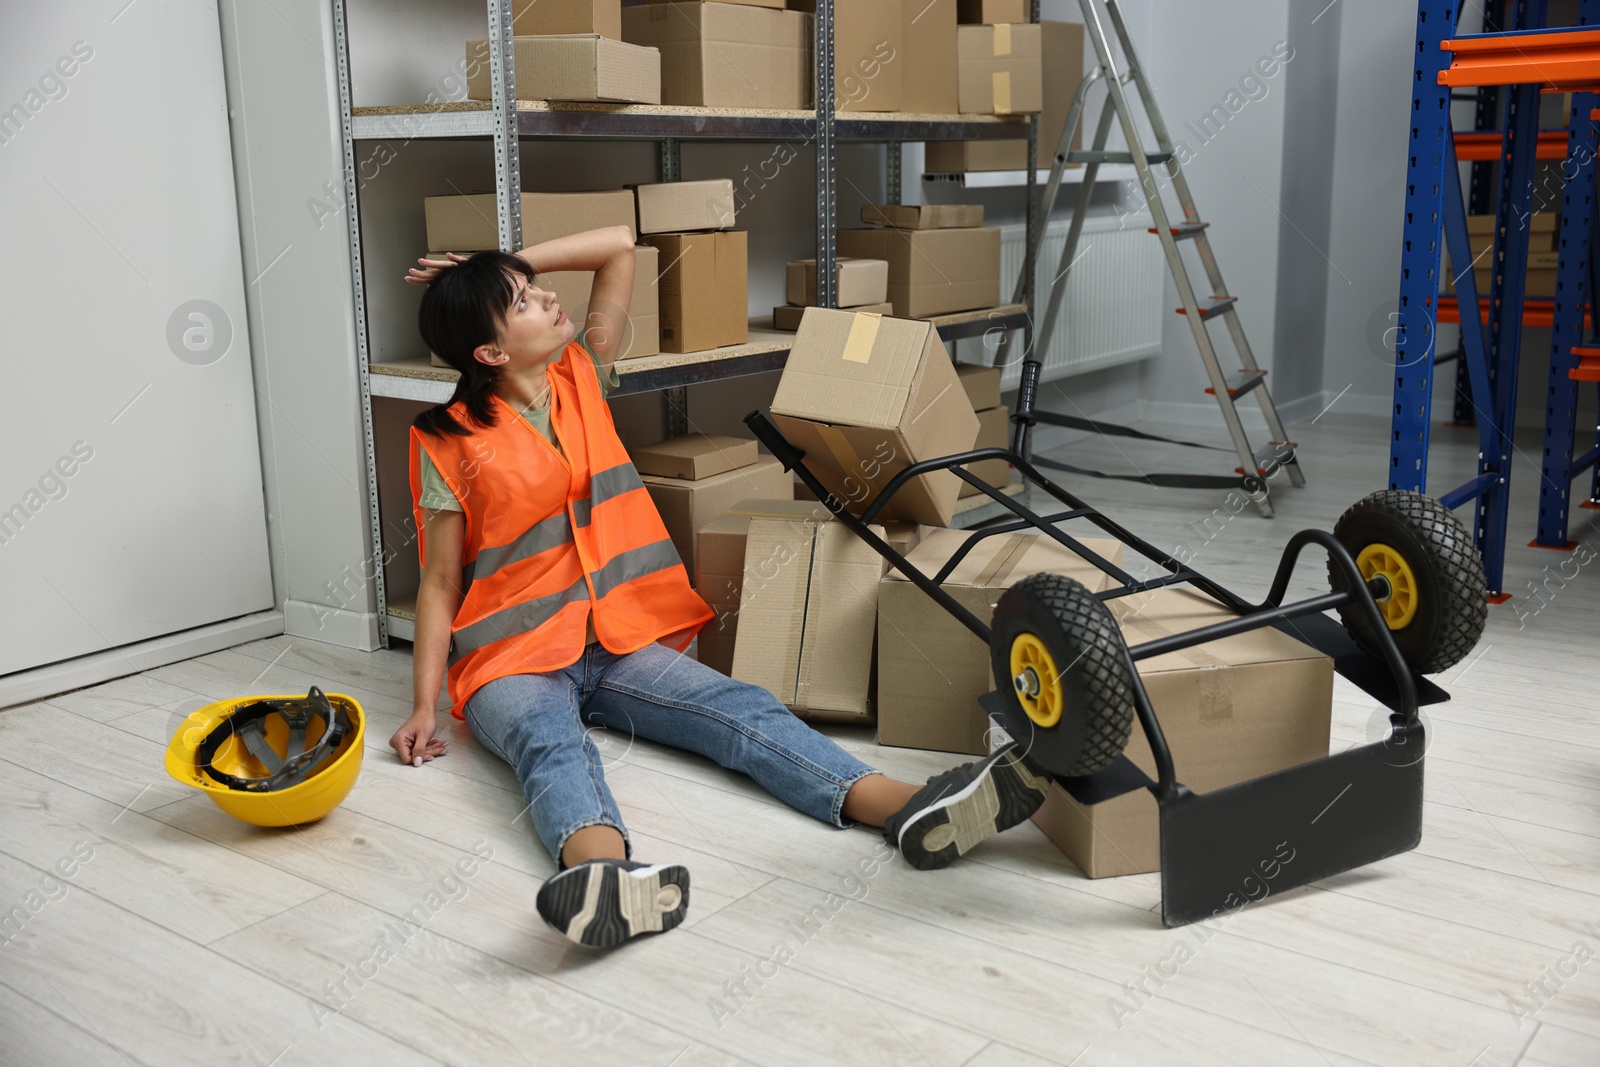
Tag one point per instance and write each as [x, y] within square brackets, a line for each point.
[862, 285]
[695, 478]
[994, 425]
[1543, 254]
[571, 50]
[705, 288]
[941, 258]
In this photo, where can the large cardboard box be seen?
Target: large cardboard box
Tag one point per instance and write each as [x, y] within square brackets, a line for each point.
[1539, 279]
[788, 316]
[923, 216]
[467, 223]
[860, 282]
[933, 272]
[683, 207]
[726, 55]
[579, 66]
[994, 431]
[704, 288]
[974, 12]
[1000, 69]
[686, 505]
[981, 383]
[694, 456]
[1231, 710]
[544, 17]
[865, 397]
[572, 289]
[868, 55]
[928, 77]
[932, 669]
[807, 606]
[1063, 70]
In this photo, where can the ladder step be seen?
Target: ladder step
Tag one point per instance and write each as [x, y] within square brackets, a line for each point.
[1212, 308]
[1588, 368]
[1241, 383]
[1185, 230]
[1272, 457]
[1115, 157]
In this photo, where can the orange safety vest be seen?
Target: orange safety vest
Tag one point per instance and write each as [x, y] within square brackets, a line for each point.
[552, 537]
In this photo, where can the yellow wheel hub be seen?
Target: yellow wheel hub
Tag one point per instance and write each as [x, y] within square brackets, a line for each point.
[1400, 606]
[1035, 680]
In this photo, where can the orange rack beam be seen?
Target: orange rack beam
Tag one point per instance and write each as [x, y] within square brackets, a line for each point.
[1485, 147]
[1534, 312]
[1568, 61]
[1588, 368]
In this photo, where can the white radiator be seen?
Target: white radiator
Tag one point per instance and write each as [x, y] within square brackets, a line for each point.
[1113, 308]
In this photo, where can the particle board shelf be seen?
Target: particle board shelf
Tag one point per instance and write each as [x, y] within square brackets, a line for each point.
[403, 618]
[540, 118]
[977, 323]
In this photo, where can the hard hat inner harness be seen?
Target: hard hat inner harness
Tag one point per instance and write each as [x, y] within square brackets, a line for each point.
[298, 762]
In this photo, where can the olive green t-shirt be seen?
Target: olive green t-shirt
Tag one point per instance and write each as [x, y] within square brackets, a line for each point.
[436, 495]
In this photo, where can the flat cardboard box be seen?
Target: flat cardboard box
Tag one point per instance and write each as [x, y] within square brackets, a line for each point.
[726, 55]
[468, 223]
[545, 17]
[578, 66]
[1231, 710]
[933, 272]
[860, 282]
[683, 207]
[687, 505]
[928, 80]
[1063, 70]
[932, 669]
[973, 12]
[704, 289]
[994, 431]
[788, 316]
[572, 288]
[865, 397]
[808, 603]
[923, 216]
[694, 456]
[981, 383]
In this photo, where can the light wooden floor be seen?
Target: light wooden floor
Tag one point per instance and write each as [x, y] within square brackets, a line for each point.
[188, 937]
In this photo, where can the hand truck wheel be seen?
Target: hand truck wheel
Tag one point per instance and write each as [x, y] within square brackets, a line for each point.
[1062, 669]
[1438, 600]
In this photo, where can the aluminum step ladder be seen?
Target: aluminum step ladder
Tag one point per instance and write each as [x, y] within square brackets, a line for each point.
[1257, 466]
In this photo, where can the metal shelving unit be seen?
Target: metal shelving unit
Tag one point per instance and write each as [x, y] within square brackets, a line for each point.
[507, 121]
[1522, 61]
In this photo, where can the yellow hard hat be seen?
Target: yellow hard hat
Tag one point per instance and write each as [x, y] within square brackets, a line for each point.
[272, 760]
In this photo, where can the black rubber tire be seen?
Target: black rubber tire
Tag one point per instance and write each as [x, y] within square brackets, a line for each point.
[1080, 633]
[1452, 594]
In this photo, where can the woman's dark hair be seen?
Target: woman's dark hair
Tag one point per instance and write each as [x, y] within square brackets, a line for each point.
[463, 308]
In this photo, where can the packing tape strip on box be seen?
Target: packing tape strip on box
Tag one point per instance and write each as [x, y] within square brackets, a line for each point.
[1002, 39]
[1005, 560]
[863, 335]
[1002, 92]
[1215, 680]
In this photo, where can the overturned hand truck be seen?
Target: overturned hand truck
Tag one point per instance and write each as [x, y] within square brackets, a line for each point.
[1409, 588]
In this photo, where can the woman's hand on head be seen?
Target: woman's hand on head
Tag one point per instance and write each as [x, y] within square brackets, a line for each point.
[432, 268]
[414, 742]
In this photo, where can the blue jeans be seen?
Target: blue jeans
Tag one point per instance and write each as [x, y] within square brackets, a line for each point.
[537, 723]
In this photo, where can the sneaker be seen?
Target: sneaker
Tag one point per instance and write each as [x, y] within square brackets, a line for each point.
[964, 805]
[601, 903]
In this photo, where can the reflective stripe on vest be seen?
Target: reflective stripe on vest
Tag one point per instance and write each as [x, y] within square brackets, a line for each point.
[611, 482]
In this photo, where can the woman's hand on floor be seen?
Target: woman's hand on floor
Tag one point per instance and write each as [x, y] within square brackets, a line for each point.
[414, 741]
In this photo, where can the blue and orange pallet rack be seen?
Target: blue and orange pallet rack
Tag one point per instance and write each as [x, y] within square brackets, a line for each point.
[1525, 60]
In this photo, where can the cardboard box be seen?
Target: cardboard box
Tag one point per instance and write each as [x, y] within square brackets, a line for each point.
[695, 456]
[580, 66]
[868, 56]
[860, 282]
[933, 272]
[467, 223]
[686, 505]
[683, 207]
[726, 55]
[932, 669]
[1542, 227]
[1231, 710]
[994, 431]
[902, 536]
[865, 397]
[928, 77]
[923, 216]
[778, 4]
[974, 12]
[981, 383]
[807, 607]
[788, 316]
[1063, 70]
[572, 288]
[545, 17]
[999, 69]
[704, 289]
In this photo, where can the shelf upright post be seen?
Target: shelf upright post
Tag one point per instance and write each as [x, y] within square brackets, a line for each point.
[669, 168]
[352, 217]
[827, 193]
[893, 171]
[1030, 261]
[1485, 116]
[507, 141]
